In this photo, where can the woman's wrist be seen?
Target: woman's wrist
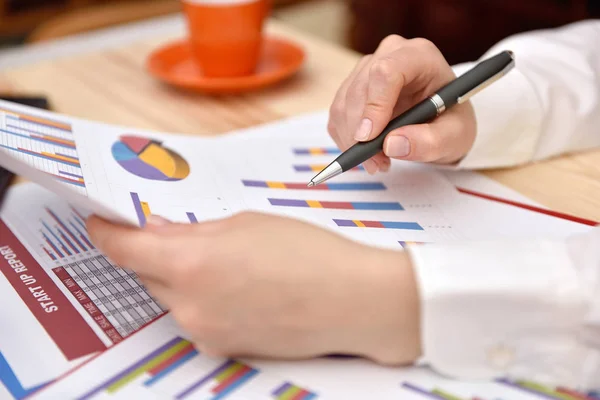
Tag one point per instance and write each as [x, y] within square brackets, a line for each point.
[390, 301]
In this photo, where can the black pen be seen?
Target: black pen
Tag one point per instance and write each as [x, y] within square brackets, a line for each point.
[456, 92]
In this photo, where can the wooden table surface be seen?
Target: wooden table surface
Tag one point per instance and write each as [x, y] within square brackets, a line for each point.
[111, 85]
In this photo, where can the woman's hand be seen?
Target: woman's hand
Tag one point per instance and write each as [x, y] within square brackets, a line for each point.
[397, 76]
[260, 285]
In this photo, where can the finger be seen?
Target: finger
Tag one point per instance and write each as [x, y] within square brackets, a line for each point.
[417, 63]
[445, 140]
[337, 112]
[358, 93]
[143, 251]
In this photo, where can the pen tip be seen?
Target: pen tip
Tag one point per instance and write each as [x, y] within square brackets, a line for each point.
[311, 184]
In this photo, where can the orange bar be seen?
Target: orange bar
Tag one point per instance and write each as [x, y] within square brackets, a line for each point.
[38, 120]
[63, 158]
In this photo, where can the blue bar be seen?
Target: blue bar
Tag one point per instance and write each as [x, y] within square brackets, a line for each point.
[65, 180]
[192, 218]
[376, 206]
[57, 239]
[402, 225]
[66, 228]
[52, 245]
[255, 183]
[288, 203]
[66, 239]
[309, 396]
[226, 392]
[10, 381]
[70, 174]
[302, 168]
[356, 186]
[171, 368]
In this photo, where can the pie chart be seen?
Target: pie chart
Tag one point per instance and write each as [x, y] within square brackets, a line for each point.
[149, 159]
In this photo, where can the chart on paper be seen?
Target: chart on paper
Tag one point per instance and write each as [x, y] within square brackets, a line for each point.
[43, 143]
[191, 208]
[113, 297]
[391, 210]
[159, 363]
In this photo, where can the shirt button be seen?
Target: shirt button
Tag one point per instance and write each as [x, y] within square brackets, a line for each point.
[500, 356]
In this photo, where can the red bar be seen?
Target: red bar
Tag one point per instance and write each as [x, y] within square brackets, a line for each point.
[67, 328]
[530, 208]
[573, 394]
[342, 205]
[373, 224]
[300, 395]
[88, 305]
[169, 361]
[223, 385]
[296, 186]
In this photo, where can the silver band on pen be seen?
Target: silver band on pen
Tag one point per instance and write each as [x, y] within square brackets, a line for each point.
[438, 102]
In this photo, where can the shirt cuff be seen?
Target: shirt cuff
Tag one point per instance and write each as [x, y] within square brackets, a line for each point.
[509, 120]
[495, 309]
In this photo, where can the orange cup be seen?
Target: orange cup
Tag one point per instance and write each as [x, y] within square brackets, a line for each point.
[226, 35]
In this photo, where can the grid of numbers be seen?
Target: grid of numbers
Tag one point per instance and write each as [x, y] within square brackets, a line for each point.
[112, 296]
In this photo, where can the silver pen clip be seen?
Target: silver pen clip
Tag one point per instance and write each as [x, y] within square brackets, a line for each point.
[485, 84]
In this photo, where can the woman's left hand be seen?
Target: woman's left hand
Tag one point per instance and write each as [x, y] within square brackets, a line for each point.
[267, 286]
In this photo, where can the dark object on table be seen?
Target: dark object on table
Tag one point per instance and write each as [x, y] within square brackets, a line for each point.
[462, 29]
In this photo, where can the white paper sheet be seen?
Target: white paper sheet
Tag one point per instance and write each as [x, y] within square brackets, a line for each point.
[136, 368]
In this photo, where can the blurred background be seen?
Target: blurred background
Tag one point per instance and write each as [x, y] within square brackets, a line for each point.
[462, 29]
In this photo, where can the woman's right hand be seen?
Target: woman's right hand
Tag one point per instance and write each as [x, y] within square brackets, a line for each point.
[398, 75]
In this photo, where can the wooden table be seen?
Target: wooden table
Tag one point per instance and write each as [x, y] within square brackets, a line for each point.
[107, 82]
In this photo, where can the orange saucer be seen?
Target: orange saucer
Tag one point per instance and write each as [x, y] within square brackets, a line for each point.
[174, 64]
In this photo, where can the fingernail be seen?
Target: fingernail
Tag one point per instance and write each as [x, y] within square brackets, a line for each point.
[385, 165]
[364, 130]
[371, 166]
[397, 146]
[155, 220]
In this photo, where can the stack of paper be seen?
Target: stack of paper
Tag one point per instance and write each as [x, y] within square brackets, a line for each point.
[68, 302]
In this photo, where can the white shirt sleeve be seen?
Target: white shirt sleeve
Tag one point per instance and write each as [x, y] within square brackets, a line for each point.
[547, 105]
[523, 309]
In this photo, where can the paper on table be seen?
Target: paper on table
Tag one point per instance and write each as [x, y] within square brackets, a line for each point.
[128, 174]
[13, 164]
[158, 362]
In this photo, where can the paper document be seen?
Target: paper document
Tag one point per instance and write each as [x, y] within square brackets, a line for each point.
[126, 174]
[159, 363]
[68, 302]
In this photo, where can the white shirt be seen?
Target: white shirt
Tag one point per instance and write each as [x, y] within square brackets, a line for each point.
[524, 310]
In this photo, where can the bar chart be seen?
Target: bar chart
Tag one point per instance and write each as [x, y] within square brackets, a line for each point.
[316, 151]
[64, 237]
[378, 224]
[438, 394]
[289, 391]
[339, 205]
[45, 144]
[177, 370]
[315, 168]
[341, 186]
[500, 389]
[543, 391]
[143, 210]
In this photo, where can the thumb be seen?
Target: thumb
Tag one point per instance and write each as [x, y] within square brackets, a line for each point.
[444, 140]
